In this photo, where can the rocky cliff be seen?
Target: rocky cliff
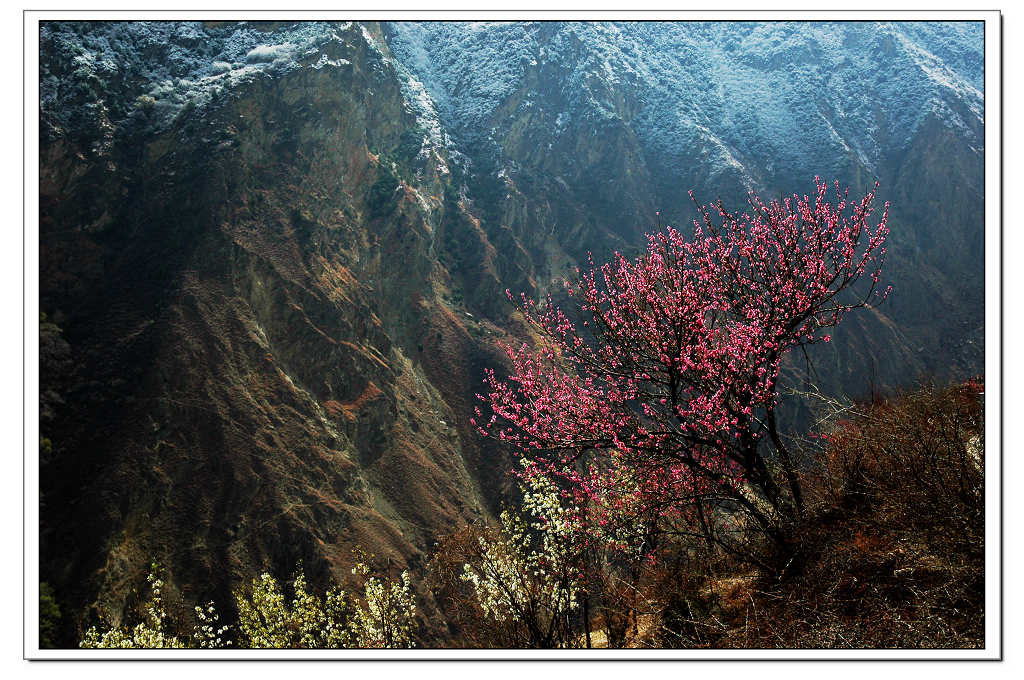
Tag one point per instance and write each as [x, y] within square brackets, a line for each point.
[278, 253]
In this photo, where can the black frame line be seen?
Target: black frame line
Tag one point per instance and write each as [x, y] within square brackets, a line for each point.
[1001, 335]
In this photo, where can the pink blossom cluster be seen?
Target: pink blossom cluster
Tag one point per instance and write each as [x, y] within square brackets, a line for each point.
[672, 378]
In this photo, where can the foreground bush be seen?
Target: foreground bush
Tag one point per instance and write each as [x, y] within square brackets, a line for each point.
[150, 633]
[524, 578]
[384, 618]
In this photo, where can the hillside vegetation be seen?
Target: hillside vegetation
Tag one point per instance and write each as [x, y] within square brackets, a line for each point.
[891, 555]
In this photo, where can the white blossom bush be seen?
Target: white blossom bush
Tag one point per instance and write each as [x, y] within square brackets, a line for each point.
[388, 616]
[385, 619]
[267, 619]
[529, 574]
[264, 618]
[148, 634]
[207, 634]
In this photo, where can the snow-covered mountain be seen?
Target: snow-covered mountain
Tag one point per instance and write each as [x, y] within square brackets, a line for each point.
[754, 96]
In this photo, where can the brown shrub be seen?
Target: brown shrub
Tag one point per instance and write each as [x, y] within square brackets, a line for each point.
[891, 550]
[914, 461]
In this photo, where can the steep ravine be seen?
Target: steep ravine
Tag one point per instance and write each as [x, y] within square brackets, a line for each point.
[268, 369]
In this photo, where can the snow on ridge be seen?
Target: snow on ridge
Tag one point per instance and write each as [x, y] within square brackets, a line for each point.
[264, 53]
[467, 68]
[804, 94]
[943, 76]
[165, 66]
[423, 100]
[800, 94]
[726, 156]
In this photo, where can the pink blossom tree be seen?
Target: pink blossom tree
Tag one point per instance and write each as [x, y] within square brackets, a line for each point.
[663, 403]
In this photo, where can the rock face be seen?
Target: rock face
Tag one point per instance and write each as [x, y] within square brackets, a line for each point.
[278, 253]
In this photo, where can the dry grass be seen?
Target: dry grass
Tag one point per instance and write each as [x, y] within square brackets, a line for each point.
[891, 554]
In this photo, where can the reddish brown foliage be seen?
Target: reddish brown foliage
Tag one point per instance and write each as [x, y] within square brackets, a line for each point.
[892, 552]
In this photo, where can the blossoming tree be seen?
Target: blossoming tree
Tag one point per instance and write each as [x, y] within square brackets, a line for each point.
[664, 401]
[528, 575]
